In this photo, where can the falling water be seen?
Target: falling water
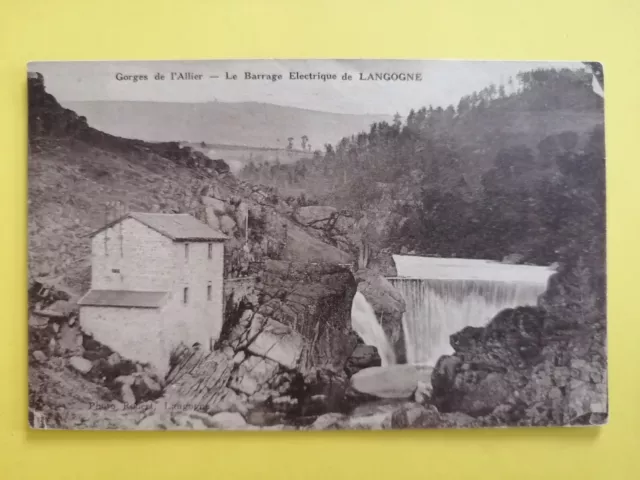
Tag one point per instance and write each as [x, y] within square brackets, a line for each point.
[445, 295]
[365, 323]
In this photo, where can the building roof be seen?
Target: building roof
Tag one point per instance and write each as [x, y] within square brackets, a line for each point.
[176, 226]
[123, 298]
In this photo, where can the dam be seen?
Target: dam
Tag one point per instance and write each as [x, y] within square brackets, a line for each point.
[445, 295]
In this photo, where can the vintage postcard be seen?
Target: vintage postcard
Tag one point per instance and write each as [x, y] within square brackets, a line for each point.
[316, 244]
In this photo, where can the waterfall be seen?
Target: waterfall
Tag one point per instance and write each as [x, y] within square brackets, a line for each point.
[366, 325]
[445, 295]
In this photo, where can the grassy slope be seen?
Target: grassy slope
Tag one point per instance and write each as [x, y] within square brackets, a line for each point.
[70, 183]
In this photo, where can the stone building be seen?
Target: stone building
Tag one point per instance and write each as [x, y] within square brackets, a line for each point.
[156, 281]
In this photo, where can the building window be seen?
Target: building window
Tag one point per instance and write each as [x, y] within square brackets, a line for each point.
[185, 295]
[115, 270]
[209, 291]
[186, 251]
[210, 251]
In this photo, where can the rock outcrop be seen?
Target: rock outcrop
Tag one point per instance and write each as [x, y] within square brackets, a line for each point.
[315, 302]
[363, 356]
[389, 306]
[526, 367]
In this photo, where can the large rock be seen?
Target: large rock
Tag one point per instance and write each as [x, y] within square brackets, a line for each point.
[70, 340]
[212, 219]
[276, 341]
[301, 246]
[313, 301]
[39, 356]
[364, 356]
[389, 306]
[394, 381]
[128, 397]
[253, 374]
[217, 206]
[525, 368]
[227, 224]
[81, 364]
[228, 421]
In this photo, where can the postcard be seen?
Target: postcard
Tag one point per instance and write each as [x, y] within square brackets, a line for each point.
[316, 244]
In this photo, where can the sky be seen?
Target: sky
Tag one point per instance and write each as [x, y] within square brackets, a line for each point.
[443, 82]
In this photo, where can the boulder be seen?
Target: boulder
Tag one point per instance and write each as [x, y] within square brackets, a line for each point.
[253, 374]
[230, 401]
[526, 368]
[70, 340]
[393, 381]
[363, 356]
[407, 416]
[125, 380]
[212, 219]
[378, 421]
[243, 382]
[39, 356]
[423, 393]
[227, 224]
[128, 398]
[114, 359]
[227, 421]
[239, 358]
[301, 246]
[277, 342]
[81, 364]
[150, 384]
[217, 206]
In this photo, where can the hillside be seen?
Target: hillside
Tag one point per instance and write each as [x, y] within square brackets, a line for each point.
[435, 182]
[244, 123]
[77, 174]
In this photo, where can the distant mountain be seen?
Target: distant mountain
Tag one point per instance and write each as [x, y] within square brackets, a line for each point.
[245, 123]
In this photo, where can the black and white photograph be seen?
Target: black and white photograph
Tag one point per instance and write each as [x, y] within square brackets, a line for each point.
[267, 245]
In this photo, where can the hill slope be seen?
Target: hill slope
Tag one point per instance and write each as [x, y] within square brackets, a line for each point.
[77, 174]
[472, 180]
[245, 123]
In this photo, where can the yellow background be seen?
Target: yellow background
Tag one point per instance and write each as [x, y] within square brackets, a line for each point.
[604, 31]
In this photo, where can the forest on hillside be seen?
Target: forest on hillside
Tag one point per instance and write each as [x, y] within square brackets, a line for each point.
[514, 169]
